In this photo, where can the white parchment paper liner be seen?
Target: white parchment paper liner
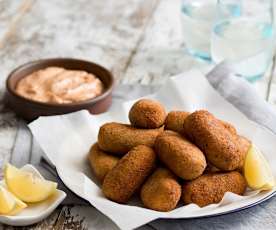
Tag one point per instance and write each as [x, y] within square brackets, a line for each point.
[66, 140]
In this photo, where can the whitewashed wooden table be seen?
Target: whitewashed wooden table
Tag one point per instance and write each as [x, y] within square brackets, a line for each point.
[140, 41]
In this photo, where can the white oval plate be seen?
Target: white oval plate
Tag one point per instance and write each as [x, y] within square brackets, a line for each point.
[37, 211]
[71, 136]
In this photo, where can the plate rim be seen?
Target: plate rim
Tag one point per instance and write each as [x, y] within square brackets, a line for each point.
[191, 217]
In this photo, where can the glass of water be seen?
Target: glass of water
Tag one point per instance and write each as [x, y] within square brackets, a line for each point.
[243, 34]
[197, 18]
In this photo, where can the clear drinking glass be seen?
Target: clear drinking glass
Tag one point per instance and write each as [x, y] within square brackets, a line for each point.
[197, 18]
[243, 34]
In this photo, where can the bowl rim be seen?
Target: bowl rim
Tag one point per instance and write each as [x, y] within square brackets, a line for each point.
[107, 90]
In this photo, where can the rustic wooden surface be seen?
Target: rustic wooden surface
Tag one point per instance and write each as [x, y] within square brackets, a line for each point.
[139, 40]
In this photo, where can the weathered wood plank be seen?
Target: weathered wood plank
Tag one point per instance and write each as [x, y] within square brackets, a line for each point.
[83, 217]
[162, 51]
[106, 23]
[10, 14]
[89, 30]
[48, 223]
[10, 11]
[67, 25]
[8, 128]
[11, 20]
[86, 217]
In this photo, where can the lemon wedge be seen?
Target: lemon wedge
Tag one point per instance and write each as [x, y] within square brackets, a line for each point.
[27, 186]
[257, 171]
[19, 206]
[7, 201]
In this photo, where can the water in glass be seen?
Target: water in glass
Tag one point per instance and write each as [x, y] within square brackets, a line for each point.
[244, 38]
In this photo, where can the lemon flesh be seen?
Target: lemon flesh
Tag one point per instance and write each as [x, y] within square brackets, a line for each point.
[19, 206]
[257, 171]
[27, 186]
[7, 201]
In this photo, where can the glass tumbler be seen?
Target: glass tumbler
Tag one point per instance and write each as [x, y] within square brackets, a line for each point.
[243, 34]
[197, 18]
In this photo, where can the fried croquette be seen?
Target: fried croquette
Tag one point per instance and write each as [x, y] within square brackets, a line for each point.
[243, 142]
[119, 138]
[101, 163]
[220, 146]
[161, 191]
[244, 145]
[181, 156]
[175, 120]
[229, 127]
[128, 175]
[147, 114]
[210, 188]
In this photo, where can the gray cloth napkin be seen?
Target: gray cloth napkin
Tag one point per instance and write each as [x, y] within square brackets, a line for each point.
[242, 95]
[237, 91]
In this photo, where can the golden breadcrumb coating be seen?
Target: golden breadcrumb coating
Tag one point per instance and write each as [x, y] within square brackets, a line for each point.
[210, 188]
[120, 138]
[175, 120]
[161, 191]
[229, 127]
[129, 174]
[100, 162]
[147, 113]
[181, 156]
[221, 147]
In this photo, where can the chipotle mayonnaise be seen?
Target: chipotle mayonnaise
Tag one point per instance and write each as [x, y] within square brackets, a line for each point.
[59, 85]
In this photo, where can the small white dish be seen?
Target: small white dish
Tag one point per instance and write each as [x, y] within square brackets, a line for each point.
[37, 211]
